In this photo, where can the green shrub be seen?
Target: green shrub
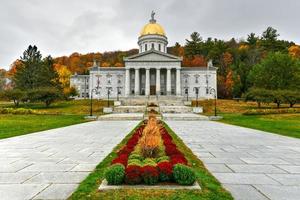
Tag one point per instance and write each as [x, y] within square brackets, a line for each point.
[115, 174]
[17, 111]
[135, 156]
[149, 162]
[183, 174]
[162, 159]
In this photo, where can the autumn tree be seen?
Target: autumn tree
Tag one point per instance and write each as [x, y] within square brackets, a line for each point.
[294, 51]
[2, 79]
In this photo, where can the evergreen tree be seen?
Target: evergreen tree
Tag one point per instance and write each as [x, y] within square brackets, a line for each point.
[35, 72]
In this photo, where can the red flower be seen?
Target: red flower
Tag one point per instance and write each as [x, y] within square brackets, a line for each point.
[165, 170]
[133, 174]
[122, 159]
[150, 175]
[171, 150]
[126, 150]
[178, 158]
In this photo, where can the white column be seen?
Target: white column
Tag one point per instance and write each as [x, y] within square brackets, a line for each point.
[178, 82]
[127, 82]
[137, 82]
[157, 81]
[147, 84]
[168, 81]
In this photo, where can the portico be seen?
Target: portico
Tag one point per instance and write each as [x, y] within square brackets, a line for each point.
[152, 81]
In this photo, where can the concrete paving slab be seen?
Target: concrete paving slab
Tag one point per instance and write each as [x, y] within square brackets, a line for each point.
[263, 164]
[245, 192]
[280, 192]
[245, 168]
[293, 169]
[30, 163]
[20, 191]
[57, 191]
[243, 178]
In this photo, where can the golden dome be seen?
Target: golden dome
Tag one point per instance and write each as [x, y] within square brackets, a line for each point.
[152, 28]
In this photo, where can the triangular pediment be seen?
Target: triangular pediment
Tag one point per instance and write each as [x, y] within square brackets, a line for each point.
[153, 55]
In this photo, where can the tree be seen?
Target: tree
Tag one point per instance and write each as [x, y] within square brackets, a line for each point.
[64, 76]
[194, 45]
[34, 71]
[276, 71]
[259, 95]
[252, 39]
[294, 51]
[291, 97]
[15, 95]
[270, 34]
[70, 92]
[2, 79]
[198, 61]
[45, 94]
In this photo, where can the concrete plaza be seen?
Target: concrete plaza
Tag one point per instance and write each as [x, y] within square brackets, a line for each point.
[51, 164]
[250, 164]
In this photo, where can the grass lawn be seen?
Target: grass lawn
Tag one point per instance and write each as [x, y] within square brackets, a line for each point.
[72, 107]
[283, 124]
[14, 125]
[211, 188]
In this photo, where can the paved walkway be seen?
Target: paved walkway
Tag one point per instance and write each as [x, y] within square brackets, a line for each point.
[51, 164]
[251, 164]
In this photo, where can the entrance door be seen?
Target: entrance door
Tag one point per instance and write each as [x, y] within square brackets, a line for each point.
[152, 90]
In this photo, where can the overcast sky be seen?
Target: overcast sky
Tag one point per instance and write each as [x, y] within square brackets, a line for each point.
[61, 27]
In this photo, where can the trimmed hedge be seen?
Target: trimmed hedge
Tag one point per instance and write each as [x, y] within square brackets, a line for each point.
[115, 174]
[183, 174]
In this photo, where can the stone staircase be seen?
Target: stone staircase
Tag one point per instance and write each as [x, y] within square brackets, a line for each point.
[170, 108]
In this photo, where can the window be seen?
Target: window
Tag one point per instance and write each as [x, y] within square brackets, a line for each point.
[196, 78]
[186, 90]
[145, 47]
[108, 78]
[159, 48]
[152, 46]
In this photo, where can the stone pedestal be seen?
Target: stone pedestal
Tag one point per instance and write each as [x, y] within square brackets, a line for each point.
[117, 103]
[187, 103]
[197, 110]
[107, 110]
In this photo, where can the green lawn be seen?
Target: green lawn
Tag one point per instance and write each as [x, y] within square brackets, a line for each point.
[211, 188]
[73, 107]
[283, 124]
[14, 125]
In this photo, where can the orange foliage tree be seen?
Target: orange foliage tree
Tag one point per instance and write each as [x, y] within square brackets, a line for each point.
[294, 51]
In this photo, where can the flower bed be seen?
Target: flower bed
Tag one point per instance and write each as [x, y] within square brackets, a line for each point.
[150, 157]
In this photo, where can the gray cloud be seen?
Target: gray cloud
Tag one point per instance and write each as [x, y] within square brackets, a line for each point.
[62, 27]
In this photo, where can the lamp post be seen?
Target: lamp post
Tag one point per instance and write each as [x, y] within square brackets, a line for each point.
[96, 90]
[118, 92]
[109, 89]
[213, 91]
[196, 89]
[186, 91]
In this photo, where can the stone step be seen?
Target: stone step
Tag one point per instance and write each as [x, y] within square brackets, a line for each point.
[184, 117]
[175, 109]
[129, 109]
[122, 116]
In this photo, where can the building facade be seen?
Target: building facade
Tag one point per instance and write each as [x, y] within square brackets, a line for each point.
[150, 72]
